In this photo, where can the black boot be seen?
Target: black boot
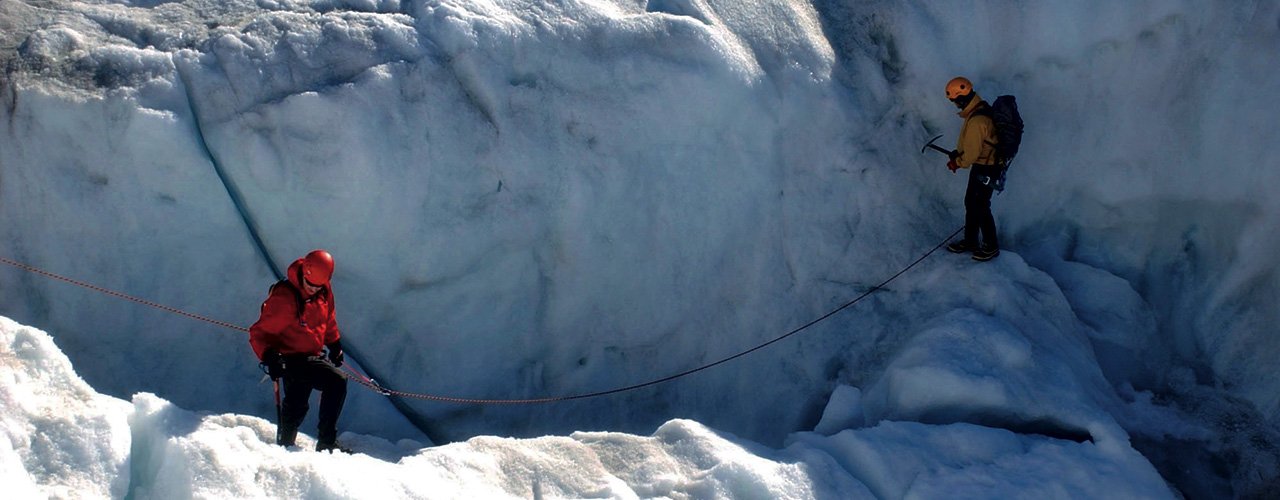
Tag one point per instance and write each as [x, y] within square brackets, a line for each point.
[985, 253]
[330, 445]
[286, 435]
[961, 246]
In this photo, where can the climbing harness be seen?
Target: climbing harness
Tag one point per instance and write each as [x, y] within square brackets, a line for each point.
[373, 385]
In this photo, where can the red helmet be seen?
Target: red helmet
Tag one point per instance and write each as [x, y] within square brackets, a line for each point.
[317, 267]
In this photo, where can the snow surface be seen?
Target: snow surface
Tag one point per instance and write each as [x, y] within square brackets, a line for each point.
[530, 198]
[62, 439]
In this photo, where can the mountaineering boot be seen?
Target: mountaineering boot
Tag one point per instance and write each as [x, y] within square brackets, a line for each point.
[286, 435]
[328, 440]
[985, 253]
[330, 445]
[960, 246]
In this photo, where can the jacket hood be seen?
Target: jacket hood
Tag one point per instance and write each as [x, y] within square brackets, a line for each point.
[294, 274]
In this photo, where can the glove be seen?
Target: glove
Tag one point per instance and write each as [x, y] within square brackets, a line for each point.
[272, 364]
[952, 165]
[335, 353]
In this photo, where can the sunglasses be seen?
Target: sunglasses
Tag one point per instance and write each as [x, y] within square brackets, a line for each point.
[962, 100]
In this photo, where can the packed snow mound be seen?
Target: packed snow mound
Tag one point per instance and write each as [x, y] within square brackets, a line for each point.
[63, 439]
[58, 436]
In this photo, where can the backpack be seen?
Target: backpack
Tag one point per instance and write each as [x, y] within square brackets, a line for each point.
[1008, 123]
[297, 294]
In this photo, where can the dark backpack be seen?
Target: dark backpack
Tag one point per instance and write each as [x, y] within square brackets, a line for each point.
[297, 294]
[1008, 123]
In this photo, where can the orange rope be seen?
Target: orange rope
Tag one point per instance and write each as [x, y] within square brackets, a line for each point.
[113, 293]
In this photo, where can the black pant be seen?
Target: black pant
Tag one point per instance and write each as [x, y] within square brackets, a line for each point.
[302, 374]
[977, 207]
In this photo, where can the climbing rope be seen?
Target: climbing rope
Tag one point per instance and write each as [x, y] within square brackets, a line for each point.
[112, 293]
[373, 385]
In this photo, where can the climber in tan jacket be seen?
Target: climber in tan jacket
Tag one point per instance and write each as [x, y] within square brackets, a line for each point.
[975, 150]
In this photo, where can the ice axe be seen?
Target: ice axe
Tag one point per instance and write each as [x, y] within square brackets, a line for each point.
[950, 154]
[279, 412]
[275, 385]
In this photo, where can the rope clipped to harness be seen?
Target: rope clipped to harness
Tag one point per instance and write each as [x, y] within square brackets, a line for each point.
[359, 378]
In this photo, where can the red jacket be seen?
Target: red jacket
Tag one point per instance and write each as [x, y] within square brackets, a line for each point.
[282, 328]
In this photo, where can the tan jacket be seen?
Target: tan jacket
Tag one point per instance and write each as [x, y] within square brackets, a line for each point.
[976, 144]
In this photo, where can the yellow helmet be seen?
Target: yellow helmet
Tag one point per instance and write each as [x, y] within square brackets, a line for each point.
[959, 86]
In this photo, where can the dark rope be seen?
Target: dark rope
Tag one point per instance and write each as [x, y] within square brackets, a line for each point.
[374, 386]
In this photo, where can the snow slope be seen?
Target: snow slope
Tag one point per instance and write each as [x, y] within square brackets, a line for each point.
[62, 439]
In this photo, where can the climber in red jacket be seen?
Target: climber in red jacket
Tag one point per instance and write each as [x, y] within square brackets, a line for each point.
[295, 327]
